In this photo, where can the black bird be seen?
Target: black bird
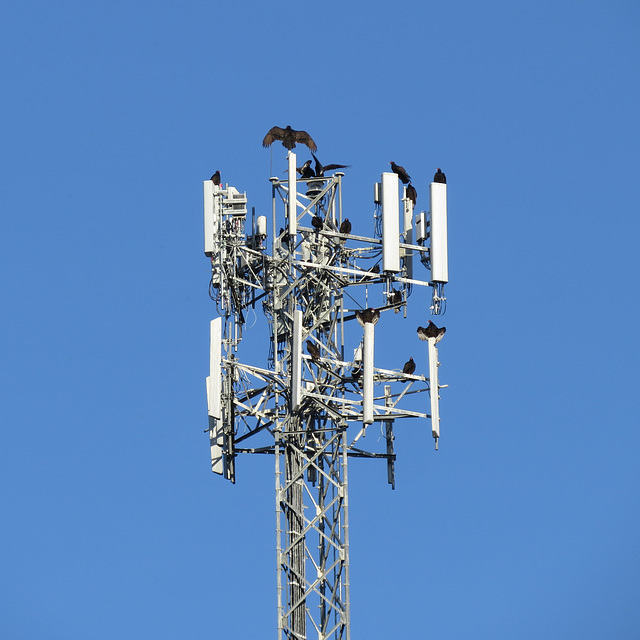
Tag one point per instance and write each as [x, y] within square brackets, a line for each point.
[305, 170]
[288, 137]
[316, 223]
[314, 351]
[320, 168]
[345, 226]
[215, 178]
[368, 315]
[431, 331]
[412, 194]
[375, 269]
[440, 177]
[402, 174]
[409, 366]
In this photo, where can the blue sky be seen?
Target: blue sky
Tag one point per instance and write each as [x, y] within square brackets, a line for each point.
[525, 523]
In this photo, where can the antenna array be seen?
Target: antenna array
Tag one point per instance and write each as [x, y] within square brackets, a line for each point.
[310, 406]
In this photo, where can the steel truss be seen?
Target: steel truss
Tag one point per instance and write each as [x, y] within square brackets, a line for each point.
[301, 407]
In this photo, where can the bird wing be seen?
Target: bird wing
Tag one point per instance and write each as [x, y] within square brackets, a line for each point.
[304, 138]
[275, 133]
[332, 167]
[422, 333]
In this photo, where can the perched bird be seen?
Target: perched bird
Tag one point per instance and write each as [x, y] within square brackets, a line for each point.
[215, 178]
[431, 331]
[402, 174]
[316, 223]
[409, 366]
[375, 269]
[345, 226]
[320, 168]
[288, 137]
[314, 351]
[305, 170]
[440, 177]
[412, 194]
[368, 315]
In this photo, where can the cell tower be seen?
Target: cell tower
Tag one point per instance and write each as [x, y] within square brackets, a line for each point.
[310, 404]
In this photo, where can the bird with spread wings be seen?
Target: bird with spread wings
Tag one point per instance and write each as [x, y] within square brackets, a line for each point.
[289, 137]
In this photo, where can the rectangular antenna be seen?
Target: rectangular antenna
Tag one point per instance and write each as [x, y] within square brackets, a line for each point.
[407, 231]
[215, 369]
[439, 254]
[422, 232]
[210, 228]
[296, 360]
[293, 194]
[390, 223]
[367, 375]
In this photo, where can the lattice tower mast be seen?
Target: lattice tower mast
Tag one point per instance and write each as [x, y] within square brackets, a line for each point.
[311, 404]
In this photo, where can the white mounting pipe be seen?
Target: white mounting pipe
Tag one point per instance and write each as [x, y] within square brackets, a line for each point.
[296, 360]
[293, 195]
[435, 388]
[367, 375]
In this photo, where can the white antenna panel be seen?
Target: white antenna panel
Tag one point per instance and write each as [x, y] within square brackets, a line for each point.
[390, 223]
[407, 235]
[215, 369]
[422, 232]
[439, 252]
[261, 228]
[210, 219]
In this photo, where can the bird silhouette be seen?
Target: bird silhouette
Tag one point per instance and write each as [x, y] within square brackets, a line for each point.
[345, 226]
[320, 168]
[431, 331]
[289, 137]
[368, 316]
[305, 170]
[409, 367]
[314, 351]
[316, 223]
[412, 194]
[440, 177]
[215, 178]
[400, 171]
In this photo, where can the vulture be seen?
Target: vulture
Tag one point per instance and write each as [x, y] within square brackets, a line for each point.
[320, 168]
[395, 297]
[440, 177]
[409, 366]
[314, 351]
[345, 226]
[316, 223]
[305, 170]
[288, 137]
[368, 315]
[215, 178]
[412, 194]
[431, 331]
[402, 174]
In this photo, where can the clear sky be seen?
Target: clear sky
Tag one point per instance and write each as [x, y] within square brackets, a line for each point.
[526, 523]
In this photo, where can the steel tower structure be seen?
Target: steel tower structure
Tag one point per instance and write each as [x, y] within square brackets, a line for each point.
[311, 404]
